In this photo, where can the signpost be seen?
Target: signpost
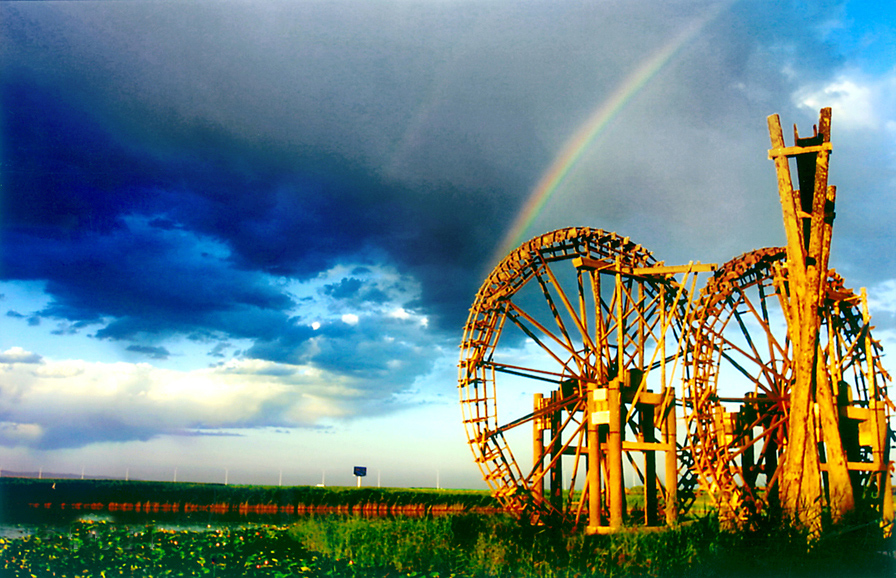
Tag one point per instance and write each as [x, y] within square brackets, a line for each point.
[360, 472]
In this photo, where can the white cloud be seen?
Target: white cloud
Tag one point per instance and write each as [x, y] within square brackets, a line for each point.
[19, 355]
[61, 370]
[857, 101]
[405, 315]
[350, 318]
[400, 313]
[71, 403]
[882, 298]
[882, 307]
[22, 432]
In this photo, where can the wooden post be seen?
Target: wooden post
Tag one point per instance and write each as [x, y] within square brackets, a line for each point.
[556, 473]
[808, 219]
[748, 458]
[887, 518]
[538, 448]
[616, 483]
[800, 489]
[595, 495]
[670, 433]
[616, 488]
[649, 436]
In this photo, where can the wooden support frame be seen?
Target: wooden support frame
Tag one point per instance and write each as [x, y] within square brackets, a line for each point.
[805, 438]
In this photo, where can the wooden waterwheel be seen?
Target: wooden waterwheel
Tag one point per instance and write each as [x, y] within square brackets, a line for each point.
[739, 378]
[574, 336]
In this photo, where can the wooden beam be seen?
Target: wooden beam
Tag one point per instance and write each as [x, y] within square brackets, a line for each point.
[587, 264]
[797, 150]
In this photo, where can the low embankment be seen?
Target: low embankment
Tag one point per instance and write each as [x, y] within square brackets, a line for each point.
[25, 499]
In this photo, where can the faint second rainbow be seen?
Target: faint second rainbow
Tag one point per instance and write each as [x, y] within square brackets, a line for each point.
[590, 130]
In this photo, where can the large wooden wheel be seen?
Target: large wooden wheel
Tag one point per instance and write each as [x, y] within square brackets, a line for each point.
[738, 380]
[561, 316]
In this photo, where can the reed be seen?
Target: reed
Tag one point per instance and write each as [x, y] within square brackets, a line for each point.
[465, 546]
[497, 546]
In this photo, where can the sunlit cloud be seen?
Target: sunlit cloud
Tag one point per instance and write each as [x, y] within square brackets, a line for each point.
[19, 355]
[70, 403]
[857, 100]
[882, 298]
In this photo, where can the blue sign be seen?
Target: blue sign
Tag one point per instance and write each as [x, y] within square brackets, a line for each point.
[360, 471]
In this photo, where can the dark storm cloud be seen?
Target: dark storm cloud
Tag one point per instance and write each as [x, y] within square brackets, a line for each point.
[148, 281]
[346, 288]
[355, 291]
[294, 224]
[162, 163]
[151, 351]
[220, 349]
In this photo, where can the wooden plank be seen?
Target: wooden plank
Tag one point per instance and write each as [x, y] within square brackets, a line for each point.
[853, 412]
[588, 264]
[646, 447]
[797, 150]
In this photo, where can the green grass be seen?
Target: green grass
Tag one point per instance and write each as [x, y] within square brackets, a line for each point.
[98, 549]
[498, 546]
[463, 546]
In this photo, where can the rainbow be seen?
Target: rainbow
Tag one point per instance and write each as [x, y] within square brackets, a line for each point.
[591, 130]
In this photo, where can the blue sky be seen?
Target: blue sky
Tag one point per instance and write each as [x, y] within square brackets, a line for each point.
[245, 236]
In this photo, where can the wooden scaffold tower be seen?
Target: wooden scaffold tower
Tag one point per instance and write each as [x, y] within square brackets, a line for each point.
[785, 396]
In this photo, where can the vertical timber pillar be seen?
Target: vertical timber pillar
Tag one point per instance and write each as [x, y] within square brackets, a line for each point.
[538, 448]
[615, 483]
[616, 488]
[595, 416]
[556, 473]
[651, 504]
[670, 433]
[808, 218]
[880, 434]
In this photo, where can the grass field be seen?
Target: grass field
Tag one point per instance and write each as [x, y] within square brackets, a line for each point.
[437, 547]
[459, 545]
